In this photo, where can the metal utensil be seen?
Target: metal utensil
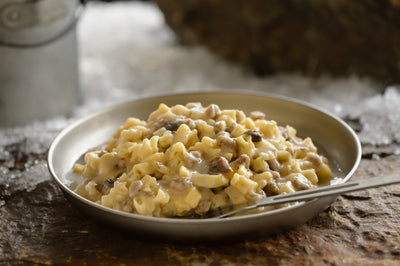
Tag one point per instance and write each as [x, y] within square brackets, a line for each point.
[306, 195]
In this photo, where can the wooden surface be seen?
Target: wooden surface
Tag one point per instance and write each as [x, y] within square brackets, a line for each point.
[38, 225]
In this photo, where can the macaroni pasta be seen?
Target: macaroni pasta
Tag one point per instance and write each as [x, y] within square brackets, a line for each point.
[187, 160]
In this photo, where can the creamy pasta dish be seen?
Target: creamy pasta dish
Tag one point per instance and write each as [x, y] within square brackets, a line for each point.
[188, 159]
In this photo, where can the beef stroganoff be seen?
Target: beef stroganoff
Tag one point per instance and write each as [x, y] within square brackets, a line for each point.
[190, 159]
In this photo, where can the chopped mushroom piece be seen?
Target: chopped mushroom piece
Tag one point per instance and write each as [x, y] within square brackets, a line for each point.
[243, 159]
[254, 134]
[220, 165]
[172, 126]
[231, 127]
[190, 160]
[271, 188]
[274, 164]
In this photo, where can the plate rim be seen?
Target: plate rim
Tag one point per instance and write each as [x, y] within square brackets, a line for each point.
[174, 220]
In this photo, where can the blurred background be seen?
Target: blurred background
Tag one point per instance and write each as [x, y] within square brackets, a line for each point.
[342, 56]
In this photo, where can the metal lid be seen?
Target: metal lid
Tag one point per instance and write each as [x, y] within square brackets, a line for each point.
[35, 22]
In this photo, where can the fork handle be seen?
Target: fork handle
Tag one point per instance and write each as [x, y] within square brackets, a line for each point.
[320, 192]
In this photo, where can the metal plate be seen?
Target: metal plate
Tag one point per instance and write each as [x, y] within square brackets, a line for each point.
[331, 135]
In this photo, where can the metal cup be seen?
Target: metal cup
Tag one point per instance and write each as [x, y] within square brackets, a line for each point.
[39, 75]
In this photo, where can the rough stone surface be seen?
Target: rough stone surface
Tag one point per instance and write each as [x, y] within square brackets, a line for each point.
[40, 226]
[313, 37]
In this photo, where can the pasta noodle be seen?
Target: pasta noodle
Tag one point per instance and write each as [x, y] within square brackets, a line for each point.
[189, 159]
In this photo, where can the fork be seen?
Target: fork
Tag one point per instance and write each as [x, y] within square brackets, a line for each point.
[305, 195]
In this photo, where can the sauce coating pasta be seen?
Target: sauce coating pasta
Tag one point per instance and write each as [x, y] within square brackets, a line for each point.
[190, 159]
